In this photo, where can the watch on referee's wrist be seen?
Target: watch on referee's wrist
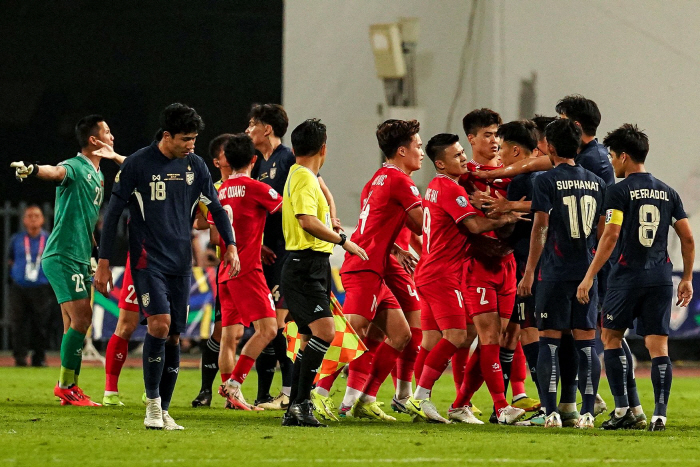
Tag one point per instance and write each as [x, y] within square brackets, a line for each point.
[343, 238]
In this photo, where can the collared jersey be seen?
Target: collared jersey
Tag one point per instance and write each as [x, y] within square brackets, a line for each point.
[645, 208]
[471, 182]
[247, 203]
[385, 201]
[573, 198]
[303, 195]
[274, 172]
[445, 206]
[78, 200]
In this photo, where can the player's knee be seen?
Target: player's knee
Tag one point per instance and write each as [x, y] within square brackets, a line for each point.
[159, 328]
[657, 346]
[268, 331]
[611, 339]
[325, 331]
[125, 330]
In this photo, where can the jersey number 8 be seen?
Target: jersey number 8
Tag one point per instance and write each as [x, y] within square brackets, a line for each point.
[649, 216]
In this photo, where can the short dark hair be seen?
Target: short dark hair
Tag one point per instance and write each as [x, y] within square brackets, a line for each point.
[565, 136]
[630, 139]
[585, 111]
[541, 121]
[179, 118]
[217, 143]
[87, 127]
[308, 137]
[393, 134]
[435, 148]
[520, 132]
[239, 150]
[270, 114]
[480, 118]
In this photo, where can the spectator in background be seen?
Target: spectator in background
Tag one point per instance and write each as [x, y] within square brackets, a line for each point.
[31, 297]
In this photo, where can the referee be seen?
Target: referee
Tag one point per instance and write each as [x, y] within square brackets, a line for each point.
[306, 275]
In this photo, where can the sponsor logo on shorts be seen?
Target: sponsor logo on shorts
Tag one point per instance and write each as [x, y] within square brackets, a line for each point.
[462, 201]
[609, 317]
[145, 299]
[318, 309]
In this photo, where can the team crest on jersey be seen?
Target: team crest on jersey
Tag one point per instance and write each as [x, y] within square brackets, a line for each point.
[273, 193]
[145, 299]
[189, 178]
[89, 176]
[273, 172]
[414, 190]
[462, 201]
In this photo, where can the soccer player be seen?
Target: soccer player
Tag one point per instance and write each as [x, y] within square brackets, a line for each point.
[389, 201]
[639, 212]
[306, 276]
[245, 299]
[67, 255]
[567, 202]
[161, 184]
[447, 219]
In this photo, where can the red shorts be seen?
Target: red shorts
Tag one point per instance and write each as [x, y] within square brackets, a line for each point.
[442, 306]
[245, 299]
[404, 289]
[490, 286]
[127, 298]
[365, 294]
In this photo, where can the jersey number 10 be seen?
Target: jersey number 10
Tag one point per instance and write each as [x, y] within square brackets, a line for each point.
[588, 210]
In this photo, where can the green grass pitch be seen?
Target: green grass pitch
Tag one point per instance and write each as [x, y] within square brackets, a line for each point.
[35, 430]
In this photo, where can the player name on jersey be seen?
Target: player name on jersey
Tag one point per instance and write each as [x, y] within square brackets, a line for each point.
[645, 193]
[232, 192]
[577, 185]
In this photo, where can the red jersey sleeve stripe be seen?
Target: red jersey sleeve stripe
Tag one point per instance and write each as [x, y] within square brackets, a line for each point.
[413, 205]
[277, 208]
[468, 214]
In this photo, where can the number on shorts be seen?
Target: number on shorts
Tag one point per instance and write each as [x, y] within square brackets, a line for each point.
[412, 293]
[649, 217]
[276, 293]
[131, 296]
[482, 291]
[272, 303]
[521, 312]
[426, 229]
[459, 298]
[588, 210]
[79, 284]
[99, 195]
[157, 191]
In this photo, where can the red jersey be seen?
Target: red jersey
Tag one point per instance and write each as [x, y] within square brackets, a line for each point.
[445, 205]
[247, 203]
[386, 200]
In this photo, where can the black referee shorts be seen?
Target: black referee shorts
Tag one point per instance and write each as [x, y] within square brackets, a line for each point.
[306, 280]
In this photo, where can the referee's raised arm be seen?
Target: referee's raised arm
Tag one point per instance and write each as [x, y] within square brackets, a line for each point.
[306, 275]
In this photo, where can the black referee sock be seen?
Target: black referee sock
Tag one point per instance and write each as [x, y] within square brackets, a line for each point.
[506, 357]
[313, 356]
[286, 364]
[265, 365]
[296, 371]
[210, 363]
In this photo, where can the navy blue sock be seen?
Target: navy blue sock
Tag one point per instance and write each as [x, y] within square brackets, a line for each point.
[568, 358]
[632, 394]
[616, 367]
[286, 364]
[153, 363]
[548, 372]
[170, 372]
[661, 377]
[531, 351]
[506, 357]
[588, 373]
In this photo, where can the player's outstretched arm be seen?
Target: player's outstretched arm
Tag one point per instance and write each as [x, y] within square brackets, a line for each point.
[532, 164]
[107, 152]
[313, 226]
[685, 288]
[540, 227]
[606, 245]
[500, 204]
[414, 221]
[44, 172]
[477, 224]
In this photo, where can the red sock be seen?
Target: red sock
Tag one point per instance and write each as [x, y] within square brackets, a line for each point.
[360, 368]
[327, 382]
[493, 375]
[472, 380]
[436, 363]
[393, 374]
[242, 368]
[407, 360]
[384, 361]
[459, 364]
[225, 377]
[117, 349]
[420, 363]
[518, 372]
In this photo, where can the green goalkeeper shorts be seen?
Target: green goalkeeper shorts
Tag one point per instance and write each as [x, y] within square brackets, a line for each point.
[69, 279]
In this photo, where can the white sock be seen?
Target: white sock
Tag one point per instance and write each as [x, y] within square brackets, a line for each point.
[111, 393]
[367, 399]
[656, 417]
[351, 396]
[620, 411]
[321, 391]
[287, 390]
[403, 389]
[421, 393]
[637, 410]
[517, 397]
[567, 407]
[233, 383]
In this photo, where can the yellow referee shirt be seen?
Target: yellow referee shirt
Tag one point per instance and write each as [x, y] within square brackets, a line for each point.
[303, 195]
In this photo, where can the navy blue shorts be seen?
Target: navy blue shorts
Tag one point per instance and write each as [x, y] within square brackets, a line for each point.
[163, 294]
[557, 308]
[524, 312]
[273, 277]
[650, 306]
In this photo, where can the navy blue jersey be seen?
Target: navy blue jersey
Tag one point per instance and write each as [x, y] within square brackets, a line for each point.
[649, 207]
[573, 198]
[520, 186]
[273, 172]
[162, 195]
[594, 157]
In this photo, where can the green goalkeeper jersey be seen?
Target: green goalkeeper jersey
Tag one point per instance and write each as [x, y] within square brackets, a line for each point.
[78, 200]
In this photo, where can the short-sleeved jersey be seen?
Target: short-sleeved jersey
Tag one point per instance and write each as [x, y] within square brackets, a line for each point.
[386, 199]
[247, 203]
[77, 209]
[647, 208]
[521, 186]
[274, 172]
[445, 206]
[162, 195]
[573, 198]
[594, 157]
[471, 182]
[205, 212]
[303, 195]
